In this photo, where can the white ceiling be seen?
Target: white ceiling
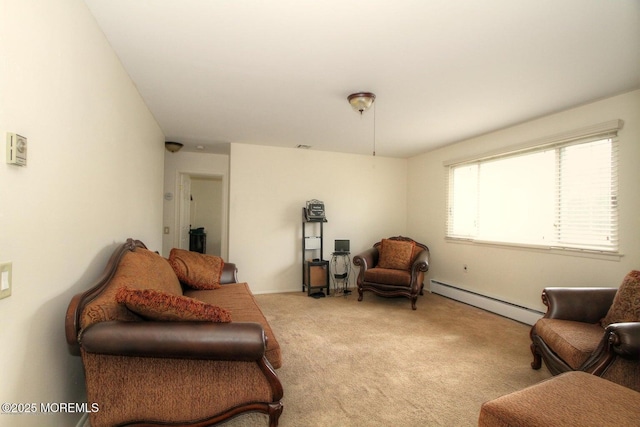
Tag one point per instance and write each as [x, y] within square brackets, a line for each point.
[278, 72]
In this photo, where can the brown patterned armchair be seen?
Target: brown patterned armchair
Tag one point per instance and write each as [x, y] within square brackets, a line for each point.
[393, 267]
[595, 330]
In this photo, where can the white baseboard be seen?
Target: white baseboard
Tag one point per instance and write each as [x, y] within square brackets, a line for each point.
[494, 305]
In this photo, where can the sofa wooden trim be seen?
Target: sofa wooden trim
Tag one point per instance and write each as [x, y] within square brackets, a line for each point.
[252, 407]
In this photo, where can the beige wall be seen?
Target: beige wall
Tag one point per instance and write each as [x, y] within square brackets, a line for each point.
[365, 200]
[94, 178]
[519, 275]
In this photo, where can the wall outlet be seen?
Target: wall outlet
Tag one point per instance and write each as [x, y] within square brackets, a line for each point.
[5, 280]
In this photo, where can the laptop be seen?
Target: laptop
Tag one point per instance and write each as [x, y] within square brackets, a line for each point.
[341, 247]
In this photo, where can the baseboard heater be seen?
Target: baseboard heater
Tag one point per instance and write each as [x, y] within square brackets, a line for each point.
[494, 305]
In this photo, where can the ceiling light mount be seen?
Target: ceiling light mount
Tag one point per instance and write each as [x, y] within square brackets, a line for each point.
[361, 101]
[172, 146]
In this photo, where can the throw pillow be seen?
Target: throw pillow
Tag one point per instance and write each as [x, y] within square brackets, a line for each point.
[157, 305]
[626, 303]
[139, 269]
[395, 254]
[196, 270]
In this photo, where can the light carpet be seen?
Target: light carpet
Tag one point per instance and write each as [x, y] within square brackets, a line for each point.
[379, 363]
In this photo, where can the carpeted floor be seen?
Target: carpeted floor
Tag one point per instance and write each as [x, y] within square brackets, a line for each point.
[379, 363]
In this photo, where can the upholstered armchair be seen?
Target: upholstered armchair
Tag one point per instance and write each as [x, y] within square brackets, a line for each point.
[595, 330]
[393, 267]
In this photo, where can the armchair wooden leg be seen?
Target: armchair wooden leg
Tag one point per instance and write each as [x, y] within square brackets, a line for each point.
[537, 359]
[275, 410]
[413, 302]
[360, 294]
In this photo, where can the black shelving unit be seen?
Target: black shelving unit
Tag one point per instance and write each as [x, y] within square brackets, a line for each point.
[315, 269]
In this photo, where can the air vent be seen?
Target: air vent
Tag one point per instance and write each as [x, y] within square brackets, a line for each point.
[305, 147]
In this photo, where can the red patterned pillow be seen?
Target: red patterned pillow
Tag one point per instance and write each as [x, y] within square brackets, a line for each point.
[157, 305]
[626, 303]
[196, 270]
[395, 254]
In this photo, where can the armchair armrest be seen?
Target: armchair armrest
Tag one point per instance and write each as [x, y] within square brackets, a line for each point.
[190, 340]
[366, 259]
[229, 273]
[587, 305]
[625, 339]
[421, 263]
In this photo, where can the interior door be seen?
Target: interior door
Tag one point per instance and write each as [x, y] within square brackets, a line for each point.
[185, 211]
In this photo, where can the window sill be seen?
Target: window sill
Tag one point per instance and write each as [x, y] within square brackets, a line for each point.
[582, 253]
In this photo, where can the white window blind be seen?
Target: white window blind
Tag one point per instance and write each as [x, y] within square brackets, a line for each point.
[587, 195]
[559, 194]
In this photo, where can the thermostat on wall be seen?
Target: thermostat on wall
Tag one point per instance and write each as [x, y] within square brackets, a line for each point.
[16, 149]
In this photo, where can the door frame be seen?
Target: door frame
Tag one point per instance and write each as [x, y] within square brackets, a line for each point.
[182, 214]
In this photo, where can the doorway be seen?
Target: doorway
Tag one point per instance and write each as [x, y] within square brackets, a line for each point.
[202, 208]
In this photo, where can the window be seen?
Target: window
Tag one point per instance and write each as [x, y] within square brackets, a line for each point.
[559, 194]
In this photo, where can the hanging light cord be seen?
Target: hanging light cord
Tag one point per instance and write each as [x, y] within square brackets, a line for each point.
[374, 130]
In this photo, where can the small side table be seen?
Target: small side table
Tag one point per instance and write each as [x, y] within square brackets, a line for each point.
[340, 272]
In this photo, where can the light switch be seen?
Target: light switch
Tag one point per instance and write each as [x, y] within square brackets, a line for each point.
[5, 280]
[166, 230]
